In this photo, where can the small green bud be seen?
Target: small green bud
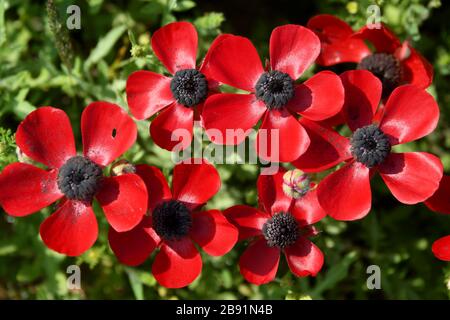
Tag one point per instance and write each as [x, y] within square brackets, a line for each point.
[296, 183]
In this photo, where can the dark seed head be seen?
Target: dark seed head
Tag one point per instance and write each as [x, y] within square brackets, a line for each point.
[281, 230]
[189, 87]
[370, 146]
[384, 66]
[79, 178]
[275, 88]
[172, 220]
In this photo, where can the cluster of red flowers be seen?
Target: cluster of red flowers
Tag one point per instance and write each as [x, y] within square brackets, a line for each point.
[383, 102]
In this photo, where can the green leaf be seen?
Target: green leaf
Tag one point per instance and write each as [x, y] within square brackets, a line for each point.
[136, 284]
[2, 22]
[183, 5]
[211, 20]
[105, 45]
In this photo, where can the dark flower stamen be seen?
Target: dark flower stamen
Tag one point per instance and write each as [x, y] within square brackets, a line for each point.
[281, 230]
[189, 87]
[370, 146]
[172, 220]
[275, 88]
[384, 66]
[79, 178]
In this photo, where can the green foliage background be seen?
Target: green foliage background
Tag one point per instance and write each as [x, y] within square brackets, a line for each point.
[42, 63]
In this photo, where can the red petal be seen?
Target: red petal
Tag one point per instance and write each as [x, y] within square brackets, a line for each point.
[248, 220]
[281, 138]
[382, 38]
[156, 184]
[271, 196]
[124, 201]
[293, 49]
[173, 127]
[25, 189]
[195, 183]
[178, 264]
[45, 135]
[336, 42]
[410, 114]
[304, 258]
[412, 177]
[229, 118]
[259, 263]
[71, 230]
[175, 45]
[107, 131]
[345, 194]
[135, 246]
[307, 209]
[440, 201]
[327, 148]
[362, 96]
[233, 60]
[441, 248]
[212, 231]
[148, 93]
[417, 70]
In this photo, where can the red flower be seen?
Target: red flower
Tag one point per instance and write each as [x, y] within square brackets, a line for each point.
[440, 202]
[177, 97]
[410, 114]
[174, 223]
[46, 137]
[395, 63]
[274, 96]
[281, 225]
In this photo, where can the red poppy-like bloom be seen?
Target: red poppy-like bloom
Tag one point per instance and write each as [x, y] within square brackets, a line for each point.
[393, 62]
[174, 223]
[409, 114]
[283, 224]
[45, 136]
[179, 97]
[440, 202]
[274, 95]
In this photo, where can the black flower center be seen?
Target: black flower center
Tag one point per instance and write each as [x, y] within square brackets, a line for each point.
[384, 66]
[281, 230]
[189, 87]
[172, 220]
[370, 146]
[275, 88]
[79, 178]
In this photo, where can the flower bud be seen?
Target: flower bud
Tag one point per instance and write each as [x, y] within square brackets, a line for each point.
[122, 167]
[296, 183]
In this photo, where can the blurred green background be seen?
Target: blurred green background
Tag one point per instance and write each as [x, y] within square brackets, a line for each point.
[43, 63]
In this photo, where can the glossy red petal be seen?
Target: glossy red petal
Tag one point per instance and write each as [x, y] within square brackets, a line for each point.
[107, 131]
[293, 49]
[345, 194]
[228, 118]
[173, 127]
[148, 93]
[417, 70]
[178, 264]
[281, 138]
[362, 96]
[441, 248]
[382, 38]
[410, 114]
[412, 177]
[233, 60]
[213, 232]
[259, 262]
[156, 184]
[248, 220]
[124, 201]
[271, 196]
[71, 230]
[45, 135]
[135, 246]
[175, 45]
[25, 189]
[195, 183]
[304, 258]
[327, 148]
[318, 98]
[337, 45]
[307, 209]
[440, 201]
